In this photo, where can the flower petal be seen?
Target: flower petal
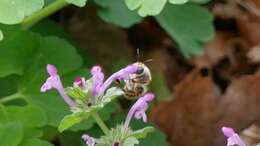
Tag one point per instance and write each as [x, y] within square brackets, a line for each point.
[90, 141]
[52, 70]
[228, 132]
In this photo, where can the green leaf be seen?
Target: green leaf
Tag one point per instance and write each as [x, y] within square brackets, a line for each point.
[200, 1]
[69, 138]
[35, 142]
[142, 133]
[79, 3]
[14, 54]
[178, 1]
[72, 119]
[189, 25]
[11, 133]
[78, 117]
[130, 141]
[30, 116]
[1, 35]
[116, 12]
[146, 7]
[14, 11]
[156, 138]
[27, 54]
[153, 139]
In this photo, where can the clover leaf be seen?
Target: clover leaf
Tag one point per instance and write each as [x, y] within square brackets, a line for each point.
[79, 3]
[189, 31]
[14, 11]
[116, 12]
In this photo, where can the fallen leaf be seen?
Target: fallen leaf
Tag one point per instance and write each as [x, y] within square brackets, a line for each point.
[198, 110]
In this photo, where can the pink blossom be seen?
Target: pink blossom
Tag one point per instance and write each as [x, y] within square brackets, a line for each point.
[90, 141]
[233, 138]
[53, 81]
[139, 108]
[99, 87]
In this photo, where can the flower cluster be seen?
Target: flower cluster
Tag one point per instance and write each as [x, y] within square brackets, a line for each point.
[87, 96]
[122, 132]
[81, 87]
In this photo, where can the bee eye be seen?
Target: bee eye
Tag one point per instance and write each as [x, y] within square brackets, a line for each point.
[140, 70]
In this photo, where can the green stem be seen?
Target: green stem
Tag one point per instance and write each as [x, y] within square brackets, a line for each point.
[45, 12]
[100, 123]
[11, 97]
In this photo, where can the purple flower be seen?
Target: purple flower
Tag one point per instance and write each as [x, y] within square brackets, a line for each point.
[53, 81]
[90, 141]
[99, 87]
[139, 108]
[116, 144]
[98, 78]
[233, 138]
[78, 81]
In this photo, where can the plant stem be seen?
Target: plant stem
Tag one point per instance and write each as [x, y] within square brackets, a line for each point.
[11, 97]
[45, 12]
[100, 122]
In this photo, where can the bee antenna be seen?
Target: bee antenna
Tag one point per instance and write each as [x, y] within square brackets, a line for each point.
[138, 54]
[148, 60]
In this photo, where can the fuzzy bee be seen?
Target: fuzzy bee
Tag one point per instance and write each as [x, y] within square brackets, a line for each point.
[136, 85]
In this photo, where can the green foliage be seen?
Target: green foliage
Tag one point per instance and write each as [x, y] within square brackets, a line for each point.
[116, 12]
[14, 11]
[72, 119]
[130, 141]
[11, 133]
[189, 25]
[32, 73]
[83, 114]
[146, 7]
[150, 7]
[141, 133]
[35, 142]
[155, 138]
[200, 1]
[124, 136]
[178, 1]
[79, 3]
[20, 126]
[1, 35]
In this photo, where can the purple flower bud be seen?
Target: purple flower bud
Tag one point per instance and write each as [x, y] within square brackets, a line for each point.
[53, 81]
[51, 69]
[116, 144]
[98, 78]
[99, 87]
[78, 81]
[233, 138]
[90, 141]
[139, 108]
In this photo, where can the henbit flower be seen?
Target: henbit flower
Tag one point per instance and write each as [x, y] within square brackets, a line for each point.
[139, 108]
[90, 141]
[233, 138]
[99, 87]
[98, 79]
[53, 81]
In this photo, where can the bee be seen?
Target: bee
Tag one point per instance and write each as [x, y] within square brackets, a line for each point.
[136, 85]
